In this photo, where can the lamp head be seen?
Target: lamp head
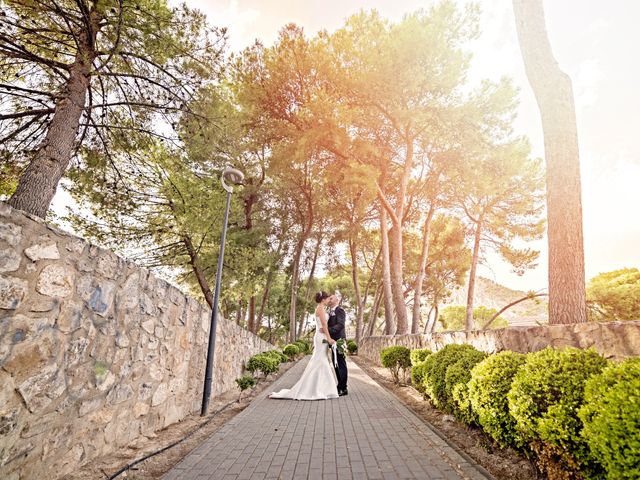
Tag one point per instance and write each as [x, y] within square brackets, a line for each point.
[230, 177]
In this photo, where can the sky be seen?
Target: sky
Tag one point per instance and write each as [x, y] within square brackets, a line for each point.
[594, 42]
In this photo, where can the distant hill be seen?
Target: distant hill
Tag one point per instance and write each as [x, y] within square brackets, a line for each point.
[493, 295]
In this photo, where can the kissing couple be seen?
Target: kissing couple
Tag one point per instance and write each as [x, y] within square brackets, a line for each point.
[320, 380]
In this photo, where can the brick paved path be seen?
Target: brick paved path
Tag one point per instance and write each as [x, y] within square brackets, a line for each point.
[368, 434]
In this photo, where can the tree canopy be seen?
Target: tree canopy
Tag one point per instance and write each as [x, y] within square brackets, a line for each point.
[372, 164]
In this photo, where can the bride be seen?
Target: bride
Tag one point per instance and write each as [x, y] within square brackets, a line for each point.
[318, 381]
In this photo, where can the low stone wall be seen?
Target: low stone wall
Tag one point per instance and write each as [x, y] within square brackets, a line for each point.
[95, 352]
[615, 340]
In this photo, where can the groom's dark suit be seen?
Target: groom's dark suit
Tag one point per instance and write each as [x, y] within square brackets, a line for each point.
[336, 330]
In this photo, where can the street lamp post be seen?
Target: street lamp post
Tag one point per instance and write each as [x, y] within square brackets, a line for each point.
[234, 177]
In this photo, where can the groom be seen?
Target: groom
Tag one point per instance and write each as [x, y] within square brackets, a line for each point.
[337, 318]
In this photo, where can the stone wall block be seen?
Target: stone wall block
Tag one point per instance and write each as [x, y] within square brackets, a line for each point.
[119, 394]
[99, 297]
[40, 389]
[10, 233]
[122, 341]
[128, 296]
[109, 265]
[12, 291]
[42, 251]
[160, 395]
[76, 351]
[55, 280]
[70, 317]
[75, 246]
[8, 422]
[9, 259]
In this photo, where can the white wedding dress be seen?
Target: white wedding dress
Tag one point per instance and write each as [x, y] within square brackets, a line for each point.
[318, 381]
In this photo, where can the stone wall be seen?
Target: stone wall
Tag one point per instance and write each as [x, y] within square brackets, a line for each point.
[615, 340]
[95, 352]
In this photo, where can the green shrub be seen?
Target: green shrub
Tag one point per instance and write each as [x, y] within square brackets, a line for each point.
[490, 382]
[291, 350]
[396, 358]
[303, 345]
[283, 357]
[419, 355]
[265, 364]
[436, 370]
[417, 376]
[276, 355]
[611, 419]
[245, 382]
[544, 399]
[352, 347]
[456, 379]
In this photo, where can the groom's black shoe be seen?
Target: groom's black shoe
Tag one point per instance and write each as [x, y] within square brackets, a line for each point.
[342, 393]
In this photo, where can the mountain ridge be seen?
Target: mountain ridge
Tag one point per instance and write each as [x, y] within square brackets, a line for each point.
[494, 295]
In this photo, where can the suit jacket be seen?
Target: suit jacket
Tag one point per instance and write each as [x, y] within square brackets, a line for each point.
[336, 324]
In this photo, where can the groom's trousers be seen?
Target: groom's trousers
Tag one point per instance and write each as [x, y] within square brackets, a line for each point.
[341, 372]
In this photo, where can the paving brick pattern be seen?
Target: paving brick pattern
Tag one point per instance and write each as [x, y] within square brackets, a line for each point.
[368, 434]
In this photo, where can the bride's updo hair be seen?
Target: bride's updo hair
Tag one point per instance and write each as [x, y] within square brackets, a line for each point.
[320, 296]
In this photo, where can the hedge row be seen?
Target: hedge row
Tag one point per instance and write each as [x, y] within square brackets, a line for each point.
[576, 413]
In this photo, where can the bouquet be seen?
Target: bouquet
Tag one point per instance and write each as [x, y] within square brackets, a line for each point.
[340, 346]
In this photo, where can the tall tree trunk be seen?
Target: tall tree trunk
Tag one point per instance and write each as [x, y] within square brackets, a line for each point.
[432, 323]
[390, 323]
[197, 270]
[270, 275]
[314, 262]
[295, 273]
[37, 185]
[353, 252]
[395, 257]
[373, 315]
[251, 322]
[417, 286]
[554, 94]
[428, 322]
[472, 274]
[239, 313]
[396, 242]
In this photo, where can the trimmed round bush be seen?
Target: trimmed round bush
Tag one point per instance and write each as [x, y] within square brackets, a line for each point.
[544, 399]
[417, 376]
[275, 355]
[611, 419]
[352, 347]
[456, 379]
[436, 369]
[245, 381]
[263, 363]
[488, 388]
[283, 357]
[419, 355]
[291, 350]
[396, 358]
[302, 347]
